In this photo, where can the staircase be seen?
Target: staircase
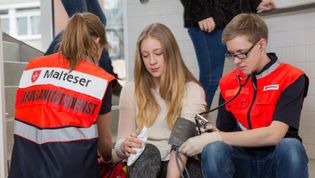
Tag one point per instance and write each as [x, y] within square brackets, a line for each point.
[16, 56]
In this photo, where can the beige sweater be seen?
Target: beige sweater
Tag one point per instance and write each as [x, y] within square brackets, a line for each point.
[159, 133]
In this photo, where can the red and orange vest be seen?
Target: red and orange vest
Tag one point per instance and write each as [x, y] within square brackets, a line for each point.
[270, 84]
[55, 131]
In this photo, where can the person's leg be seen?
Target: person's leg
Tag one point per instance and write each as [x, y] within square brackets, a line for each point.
[54, 45]
[210, 55]
[148, 164]
[291, 159]
[105, 62]
[216, 160]
[219, 159]
[94, 7]
[71, 7]
[74, 6]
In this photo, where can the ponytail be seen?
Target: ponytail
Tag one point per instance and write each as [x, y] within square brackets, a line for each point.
[78, 39]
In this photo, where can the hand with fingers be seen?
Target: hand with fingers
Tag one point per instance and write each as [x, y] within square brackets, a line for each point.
[130, 144]
[209, 128]
[265, 5]
[194, 145]
[207, 24]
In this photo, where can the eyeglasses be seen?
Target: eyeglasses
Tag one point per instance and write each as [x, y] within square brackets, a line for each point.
[242, 55]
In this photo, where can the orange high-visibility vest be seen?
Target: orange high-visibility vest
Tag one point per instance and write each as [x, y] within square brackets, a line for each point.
[270, 84]
[55, 131]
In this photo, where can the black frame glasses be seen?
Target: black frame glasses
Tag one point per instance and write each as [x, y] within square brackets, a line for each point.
[242, 55]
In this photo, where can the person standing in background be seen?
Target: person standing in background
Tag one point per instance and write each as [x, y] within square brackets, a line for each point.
[92, 6]
[205, 21]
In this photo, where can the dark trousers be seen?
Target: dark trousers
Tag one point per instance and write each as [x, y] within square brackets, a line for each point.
[149, 164]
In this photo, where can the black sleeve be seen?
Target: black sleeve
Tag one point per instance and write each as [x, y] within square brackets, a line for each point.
[289, 106]
[224, 11]
[107, 100]
[196, 10]
[249, 6]
[225, 120]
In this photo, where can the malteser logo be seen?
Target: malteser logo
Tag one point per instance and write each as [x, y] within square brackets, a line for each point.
[68, 77]
[35, 75]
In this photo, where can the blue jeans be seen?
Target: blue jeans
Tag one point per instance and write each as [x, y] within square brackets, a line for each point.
[92, 6]
[287, 160]
[210, 55]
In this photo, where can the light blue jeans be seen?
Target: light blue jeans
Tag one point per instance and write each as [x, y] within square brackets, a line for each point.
[210, 55]
[287, 160]
[92, 6]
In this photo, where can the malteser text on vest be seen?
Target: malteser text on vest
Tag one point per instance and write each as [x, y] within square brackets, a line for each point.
[66, 77]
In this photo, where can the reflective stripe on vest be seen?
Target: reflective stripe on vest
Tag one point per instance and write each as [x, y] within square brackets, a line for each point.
[41, 136]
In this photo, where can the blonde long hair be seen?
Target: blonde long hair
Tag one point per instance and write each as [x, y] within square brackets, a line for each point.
[78, 38]
[172, 83]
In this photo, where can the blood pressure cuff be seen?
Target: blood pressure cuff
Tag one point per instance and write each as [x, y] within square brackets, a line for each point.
[183, 130]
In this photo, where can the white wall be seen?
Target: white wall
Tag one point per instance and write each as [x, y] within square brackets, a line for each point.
[292, 36]
[168, 12]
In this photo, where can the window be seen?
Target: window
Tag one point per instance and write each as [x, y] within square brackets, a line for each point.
[28, 23]
[22, 23]
[35, 25]
[115, 35]
[114, 28]
[5, 24]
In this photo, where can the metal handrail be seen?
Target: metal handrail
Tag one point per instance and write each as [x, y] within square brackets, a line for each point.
[295, 8]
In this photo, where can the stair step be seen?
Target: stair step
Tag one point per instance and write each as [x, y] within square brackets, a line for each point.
[15, 50]
[11, 51]
[10, 130]
[13, 72]
[114, 118]
[28, 52]
[10, 93]
[115, 100]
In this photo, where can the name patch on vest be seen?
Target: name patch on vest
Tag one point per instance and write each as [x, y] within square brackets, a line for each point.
[271, 87]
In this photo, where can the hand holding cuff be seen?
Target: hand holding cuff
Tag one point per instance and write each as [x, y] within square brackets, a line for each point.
[194, 145]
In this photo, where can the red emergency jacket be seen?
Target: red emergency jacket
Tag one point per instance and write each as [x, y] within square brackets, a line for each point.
[270, 84]
[55, 131]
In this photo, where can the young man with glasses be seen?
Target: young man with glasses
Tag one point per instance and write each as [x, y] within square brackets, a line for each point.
[257, 131]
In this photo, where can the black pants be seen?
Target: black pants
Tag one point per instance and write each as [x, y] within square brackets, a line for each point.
[149, 165]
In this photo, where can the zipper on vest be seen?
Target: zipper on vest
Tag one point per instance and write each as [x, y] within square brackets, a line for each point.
[254, 83]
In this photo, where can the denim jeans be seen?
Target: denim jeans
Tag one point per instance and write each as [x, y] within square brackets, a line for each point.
[287, 160]
[92, 6]
[210, 55]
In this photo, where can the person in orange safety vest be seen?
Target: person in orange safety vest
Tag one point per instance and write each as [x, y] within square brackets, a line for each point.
[258, 123]
[63, 107]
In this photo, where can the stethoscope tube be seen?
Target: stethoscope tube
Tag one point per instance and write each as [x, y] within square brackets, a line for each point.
[231, 99]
